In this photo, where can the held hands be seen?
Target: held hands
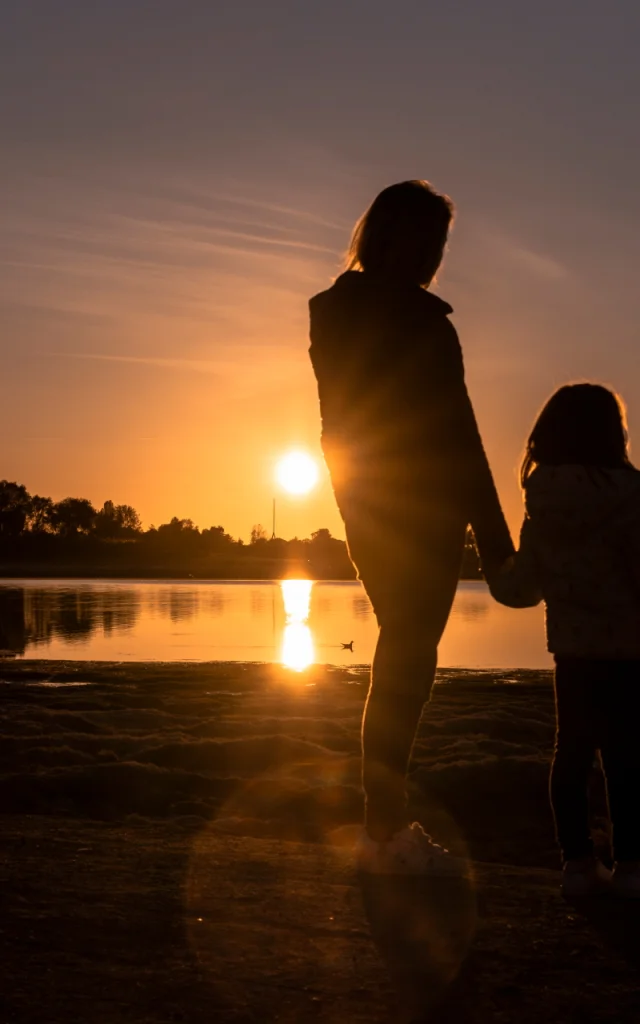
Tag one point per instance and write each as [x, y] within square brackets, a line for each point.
[493, 570]
[515, 582]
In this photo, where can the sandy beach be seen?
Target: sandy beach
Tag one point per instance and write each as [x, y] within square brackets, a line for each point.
[176, 847]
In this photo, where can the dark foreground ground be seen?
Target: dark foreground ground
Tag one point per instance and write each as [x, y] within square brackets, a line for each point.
[176, 847]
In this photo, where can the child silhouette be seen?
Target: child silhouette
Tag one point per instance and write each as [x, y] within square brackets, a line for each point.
[580, 553]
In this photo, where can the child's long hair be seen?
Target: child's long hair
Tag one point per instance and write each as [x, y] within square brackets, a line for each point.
[581, 424]
[403, 234]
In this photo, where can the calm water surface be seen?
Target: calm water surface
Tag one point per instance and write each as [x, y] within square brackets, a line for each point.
[294, 622]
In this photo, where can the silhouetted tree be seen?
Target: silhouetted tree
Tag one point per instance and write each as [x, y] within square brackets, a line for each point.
[215, 539]
[328, 555]
[179, 536]
[114, 521]
[178, 527]
[72, 516]
[40, 514]
[128, 518]
[104, 523]
[14, 508]
[258, 534]
[321, 538]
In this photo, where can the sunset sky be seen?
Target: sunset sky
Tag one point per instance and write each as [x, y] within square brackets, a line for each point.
[178, 178]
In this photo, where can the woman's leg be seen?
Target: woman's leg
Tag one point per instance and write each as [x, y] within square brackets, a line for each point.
[620, 705]
[576, 745]
[412, 613]
[401, 678]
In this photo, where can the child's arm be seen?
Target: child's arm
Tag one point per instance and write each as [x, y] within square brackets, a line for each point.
[516, 584]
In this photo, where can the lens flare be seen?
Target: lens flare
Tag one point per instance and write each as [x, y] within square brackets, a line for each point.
[297, 643]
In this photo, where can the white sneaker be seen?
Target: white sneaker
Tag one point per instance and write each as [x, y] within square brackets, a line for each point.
[626, 880]
[585, 877]
[409, 852]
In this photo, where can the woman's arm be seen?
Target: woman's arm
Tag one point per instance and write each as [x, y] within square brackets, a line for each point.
[516, 584]
[485, 512]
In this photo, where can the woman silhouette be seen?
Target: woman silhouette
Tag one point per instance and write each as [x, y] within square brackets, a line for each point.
[409, 474]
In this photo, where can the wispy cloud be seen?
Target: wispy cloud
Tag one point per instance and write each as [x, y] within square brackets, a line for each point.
[197, 365]
[277, 208]
[229, 267]
[540, 264]
[247, 370]
[492, 260]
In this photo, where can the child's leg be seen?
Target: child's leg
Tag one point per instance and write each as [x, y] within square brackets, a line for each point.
[576, 744]
[620, 702]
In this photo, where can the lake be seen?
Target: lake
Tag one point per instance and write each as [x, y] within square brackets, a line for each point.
[293, 622]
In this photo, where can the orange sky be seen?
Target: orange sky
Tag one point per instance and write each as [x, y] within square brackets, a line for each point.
[173, 193]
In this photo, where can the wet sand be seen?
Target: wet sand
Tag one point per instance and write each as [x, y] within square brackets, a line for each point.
[176, 847]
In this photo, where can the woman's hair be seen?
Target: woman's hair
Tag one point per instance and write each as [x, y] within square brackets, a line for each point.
[403, 233]
[581, 424]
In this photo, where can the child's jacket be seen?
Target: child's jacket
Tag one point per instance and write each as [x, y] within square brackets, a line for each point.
[580, 553]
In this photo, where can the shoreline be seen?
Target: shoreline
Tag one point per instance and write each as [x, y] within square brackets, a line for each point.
[167, 739]
[17, 573]
[178, 846]
[102, 671]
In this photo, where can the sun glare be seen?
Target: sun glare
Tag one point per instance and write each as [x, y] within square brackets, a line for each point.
[297, 642]
[297, 472]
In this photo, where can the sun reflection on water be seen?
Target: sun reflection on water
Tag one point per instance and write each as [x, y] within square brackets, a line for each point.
[297, 643]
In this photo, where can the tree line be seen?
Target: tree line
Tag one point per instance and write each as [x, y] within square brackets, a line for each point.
[25, 515]
[21, 513]
[37, 532]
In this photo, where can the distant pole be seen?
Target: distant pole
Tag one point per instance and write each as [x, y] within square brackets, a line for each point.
[273, 532]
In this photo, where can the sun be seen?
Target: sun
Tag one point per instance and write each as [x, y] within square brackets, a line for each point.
[297, 472]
